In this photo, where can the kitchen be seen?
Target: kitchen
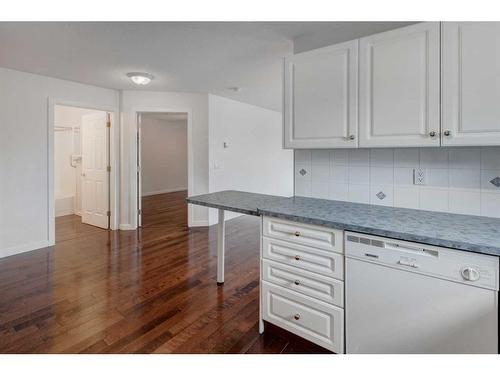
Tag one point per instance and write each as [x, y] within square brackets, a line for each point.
[261, 184]
[401, 129]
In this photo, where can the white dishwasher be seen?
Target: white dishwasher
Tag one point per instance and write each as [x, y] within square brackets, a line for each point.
[405, 297]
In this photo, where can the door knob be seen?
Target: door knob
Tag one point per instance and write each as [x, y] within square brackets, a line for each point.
[432, 134]
[297, 257]
[296, 282]
[297, 234]
[296, 316]
[447, 133]
[352, 137]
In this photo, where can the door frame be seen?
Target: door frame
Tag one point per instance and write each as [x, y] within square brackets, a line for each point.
[113, 160]
[134, 180]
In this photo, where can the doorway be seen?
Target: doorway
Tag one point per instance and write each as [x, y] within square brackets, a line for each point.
[162, 161]
[81, 166]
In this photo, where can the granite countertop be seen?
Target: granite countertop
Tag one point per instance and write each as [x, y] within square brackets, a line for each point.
[462, 232]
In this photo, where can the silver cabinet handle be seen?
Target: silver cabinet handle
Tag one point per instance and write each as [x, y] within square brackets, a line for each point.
[296, 316]
[447, 133]
[297, 234]
[296, 282]
[432, 134]
[352, 137]
[297, 257]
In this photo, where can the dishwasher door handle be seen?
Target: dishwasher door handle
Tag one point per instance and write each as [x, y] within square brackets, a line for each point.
[407, 264]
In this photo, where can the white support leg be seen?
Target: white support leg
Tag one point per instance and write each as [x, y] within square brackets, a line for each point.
[221, 233]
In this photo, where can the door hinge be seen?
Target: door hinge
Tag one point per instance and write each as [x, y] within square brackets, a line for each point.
[108, 213]
[108, 168]
[140, 211]
[108, 124]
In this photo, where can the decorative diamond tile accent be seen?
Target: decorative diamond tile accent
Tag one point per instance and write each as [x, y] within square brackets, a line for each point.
[381, 195]
[303, 172]
[496, 181]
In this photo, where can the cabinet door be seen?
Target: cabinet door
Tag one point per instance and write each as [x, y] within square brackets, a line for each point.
[399, 87]
[320, 104]
[471, 83]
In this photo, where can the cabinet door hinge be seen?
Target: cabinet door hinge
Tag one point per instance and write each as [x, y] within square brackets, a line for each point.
[140, 211]
[108, 124]
[108, 213]
[108, 168]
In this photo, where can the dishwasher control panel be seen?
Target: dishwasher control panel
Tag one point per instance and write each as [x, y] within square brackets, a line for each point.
[468, 268]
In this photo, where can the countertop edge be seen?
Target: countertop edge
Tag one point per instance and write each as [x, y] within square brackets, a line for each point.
[223, 207]
[460, 246]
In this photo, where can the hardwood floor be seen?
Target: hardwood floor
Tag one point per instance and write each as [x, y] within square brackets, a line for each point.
[146, 291]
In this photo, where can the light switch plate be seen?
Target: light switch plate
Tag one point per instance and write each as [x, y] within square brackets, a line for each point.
[418, 176]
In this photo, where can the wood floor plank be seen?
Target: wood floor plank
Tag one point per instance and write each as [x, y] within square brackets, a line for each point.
[147, 291]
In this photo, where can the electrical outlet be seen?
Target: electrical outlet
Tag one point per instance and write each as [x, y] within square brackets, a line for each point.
[419, 176]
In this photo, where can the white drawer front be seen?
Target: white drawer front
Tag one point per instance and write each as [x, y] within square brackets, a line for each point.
[308, 283]
[309, 318]
[311, 235]
[324, 262]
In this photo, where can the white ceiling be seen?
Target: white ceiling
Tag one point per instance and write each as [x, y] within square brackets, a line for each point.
[183, 56]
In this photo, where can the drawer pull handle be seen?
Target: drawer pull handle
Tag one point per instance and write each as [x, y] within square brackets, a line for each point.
[297, 234]
[296, 282]
[297, 257]
[296, 316]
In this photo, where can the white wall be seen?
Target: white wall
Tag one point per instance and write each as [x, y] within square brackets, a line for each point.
[24, 208]
[458, 180]
[147, 101]
[254, 160]
[163, 155]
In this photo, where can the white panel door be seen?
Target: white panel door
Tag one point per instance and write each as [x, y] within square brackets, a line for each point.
[471, 83]
[399, 87]
[320, 104]
[95, 181]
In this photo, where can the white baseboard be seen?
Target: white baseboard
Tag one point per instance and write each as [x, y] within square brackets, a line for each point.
[126, 227]
[23, 248]
[146, 194]
[64, 213]
[198, 223]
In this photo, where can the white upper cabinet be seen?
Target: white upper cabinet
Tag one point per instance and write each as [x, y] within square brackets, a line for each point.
[399, 87]
[320, 104]
[471, 83]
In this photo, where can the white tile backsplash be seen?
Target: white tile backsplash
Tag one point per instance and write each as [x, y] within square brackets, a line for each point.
[339, 157]
[465, 178]
[359, 175]
[359, 157]
[359, 193]
[433, 158]
[382, 195]
[382, 157]
[406, 157]
[320, 173]
[339, 192]
[465, 202]
[381, 175]
[457, 179]
[320, 157]
[465, 158]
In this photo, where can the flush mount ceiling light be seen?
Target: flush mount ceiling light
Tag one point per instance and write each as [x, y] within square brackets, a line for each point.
[140, 78]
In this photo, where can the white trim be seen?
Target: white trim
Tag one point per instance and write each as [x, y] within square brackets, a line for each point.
[133, 156]
[23, 248]
[199, 223]
[164, 191]
[126, 227]
[65, 213]
[114, 147]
